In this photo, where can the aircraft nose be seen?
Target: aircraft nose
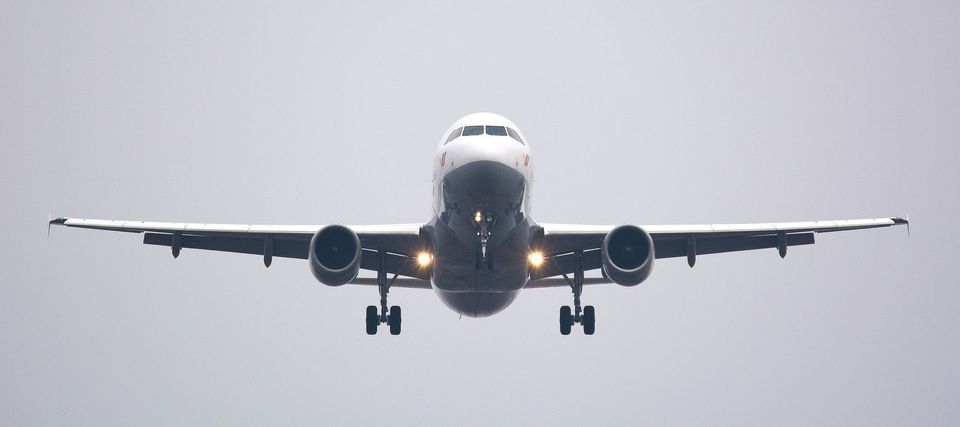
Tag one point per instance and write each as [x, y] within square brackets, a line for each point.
[490, 149]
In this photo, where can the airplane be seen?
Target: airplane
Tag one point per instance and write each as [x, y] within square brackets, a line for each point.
[481, 247]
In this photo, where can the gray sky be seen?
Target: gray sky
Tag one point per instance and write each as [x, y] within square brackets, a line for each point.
[307, 112]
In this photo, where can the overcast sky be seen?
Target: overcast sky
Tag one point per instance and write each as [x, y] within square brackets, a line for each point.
[291, 113]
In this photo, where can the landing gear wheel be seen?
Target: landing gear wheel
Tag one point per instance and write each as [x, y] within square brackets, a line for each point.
[566, 320]
[373, 319]
[589, 320]
[394, 320]
[377, 315]
[585, 316]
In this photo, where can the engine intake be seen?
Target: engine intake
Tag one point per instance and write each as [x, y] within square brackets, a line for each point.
[335, 255]
[628, 255]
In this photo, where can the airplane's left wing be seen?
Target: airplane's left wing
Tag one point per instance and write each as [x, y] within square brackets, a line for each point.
[560, 240]
[400, 241]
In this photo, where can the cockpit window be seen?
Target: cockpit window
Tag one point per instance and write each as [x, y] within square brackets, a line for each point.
[496, 130]
[453, 135]
[514, 135]
[472, 130]
[480, 130]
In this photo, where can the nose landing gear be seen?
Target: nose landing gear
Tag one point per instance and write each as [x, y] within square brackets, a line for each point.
[391, 317]
[484, 221]
[585, 316]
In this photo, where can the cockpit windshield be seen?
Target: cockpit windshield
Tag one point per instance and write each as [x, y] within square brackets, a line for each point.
[480, 130]
[472, 130]
[497, 130]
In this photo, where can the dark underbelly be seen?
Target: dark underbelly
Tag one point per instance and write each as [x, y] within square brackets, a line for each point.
[477, 304]
[464, 283]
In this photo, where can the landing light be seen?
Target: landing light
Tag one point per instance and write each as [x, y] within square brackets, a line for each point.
[424, 258]
[535, 258]
[478, 216]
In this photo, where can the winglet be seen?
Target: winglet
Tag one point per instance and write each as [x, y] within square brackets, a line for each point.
[58, 221]
[905, 221]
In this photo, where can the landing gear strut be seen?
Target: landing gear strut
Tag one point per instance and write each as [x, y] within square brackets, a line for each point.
[392, 317]
[585, 316]
[484, 222]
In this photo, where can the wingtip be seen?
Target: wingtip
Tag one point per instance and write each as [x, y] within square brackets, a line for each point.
[57, 221]
[903, 220]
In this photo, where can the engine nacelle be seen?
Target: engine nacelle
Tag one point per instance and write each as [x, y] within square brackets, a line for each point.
[335, 255]
[627, 254]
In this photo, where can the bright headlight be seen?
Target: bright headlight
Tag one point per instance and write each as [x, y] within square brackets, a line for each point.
[424, 258]
[535, 258]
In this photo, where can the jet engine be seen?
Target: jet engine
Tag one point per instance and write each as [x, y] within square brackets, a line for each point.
[335, 255]
[627, 254]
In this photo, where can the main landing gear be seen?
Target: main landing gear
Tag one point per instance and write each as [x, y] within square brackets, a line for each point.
[392, 317]
[585, 316]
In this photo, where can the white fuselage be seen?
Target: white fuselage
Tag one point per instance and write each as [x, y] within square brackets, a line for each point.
[481, 199]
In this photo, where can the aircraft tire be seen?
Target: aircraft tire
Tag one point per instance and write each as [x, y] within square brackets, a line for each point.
[395, 319]
[589, 320]
[566, 320]
[372, 320]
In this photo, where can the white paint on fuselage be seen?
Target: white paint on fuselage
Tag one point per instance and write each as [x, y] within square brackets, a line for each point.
[481, 292]
[468, 149]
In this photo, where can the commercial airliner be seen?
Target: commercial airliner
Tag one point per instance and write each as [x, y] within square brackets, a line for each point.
[481, 247]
